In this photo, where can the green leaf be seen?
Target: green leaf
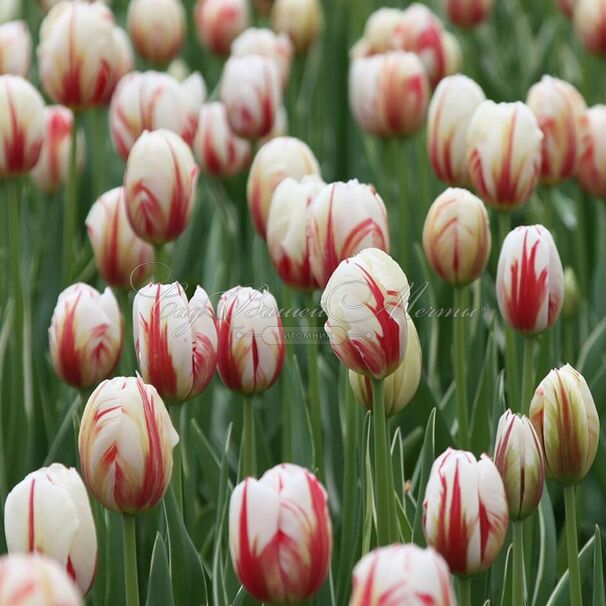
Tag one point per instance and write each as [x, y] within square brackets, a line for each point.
[506, 595]
[546, 569]
[598, 570]
[159, 592]
[369, 505]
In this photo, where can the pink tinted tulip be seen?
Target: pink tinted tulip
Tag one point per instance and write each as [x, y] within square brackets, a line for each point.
[219, 22]
[302, 20]
[590, 24]
[592, 165]
[468, 13]
[15, 48]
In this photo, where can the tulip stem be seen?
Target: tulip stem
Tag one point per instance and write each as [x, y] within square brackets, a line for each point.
[464, 591]
[315, 409]
[98, 120]
[177, 477]
[131, 582]
[161, 263]
[248, 462]
[574, 572]
[70, 211]
[527, 375]
[459, 364]
[518, 564]
[286, 387]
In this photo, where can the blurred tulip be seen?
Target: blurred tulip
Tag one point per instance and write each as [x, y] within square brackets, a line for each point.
[122, 258]
[590, 24]
[279, 128]
[277, 159]
[530, 280]
[567, 7]
[251, 340]
[343, 219]
[504, 153]
[365, 304]
[468, 13]
[456, 236]
[219, 152]
[453, 54]
[402, 575]
[567, 424]
[126, 56]
[125, 444]
[572, 294]
[157, 28]
[302, 20]
[15, 48]
[592, 165]
[388, 93]
[219, 22]
[519, 459]
[9, 10]
[46, 5]
[380, 28]
[85, 335]
[280, 535]
[48, 513]
[160, 186]
[465, 511]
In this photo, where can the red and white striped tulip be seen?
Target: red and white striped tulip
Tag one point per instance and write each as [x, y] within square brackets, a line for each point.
[468, 13]
[160, 186]
[343, 219]
[567, 7]
[530, 280]
[280, 127]
[251, 340]
[220, 22]
[15, 48]
[402, 574]
[126, 445]
[465, 514]
[85, 335]
[126, 55]
[123, 259]
[591, 171]
[590, 24]
[365, 304]
[454, 102]
[380, 29]
[48, 513]
[280, 535]
[277, 159]
[504, 153]
[565, 418]
[301, 20]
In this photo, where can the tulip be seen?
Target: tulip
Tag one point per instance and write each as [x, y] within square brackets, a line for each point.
[592, 164]
[35, 580]
[219, 152]
[122, 258]
[48, 512]
[9, 9]
[160, 186]
[21, 126]
[572, 294]
[219, 22]
[567, 7]
[590, 24]
[468, 13]
[250, 89]
[279, 128]
[302, 20]
[279, 158]
[380, 29]
[85, 335]
[453, 54]
[465, 511]
[530, 280]
[402, 574]
[504, 153]
[389, 93]
[454, 102]
[456, 236]
[15, 48]
[343, 219]
[157, 28]
[126, 56]
[280, 534]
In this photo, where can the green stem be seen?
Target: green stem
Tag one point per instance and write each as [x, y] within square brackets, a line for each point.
[459, 364]
[464, 591]
[286, 387]
[248, 463]
[70, 211]
[527, 375]
[161, 263]
[129, 543]
[518, 564]
[177, 477]
[576, 596]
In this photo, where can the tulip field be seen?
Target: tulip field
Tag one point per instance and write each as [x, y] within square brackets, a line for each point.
[303, 302]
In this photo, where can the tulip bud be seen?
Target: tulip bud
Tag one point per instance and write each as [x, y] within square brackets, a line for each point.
[126, 56]
[453, 104]
[9, 10]
[590, 24]
[157, 28]
[302, 20]
[465, 511]
[279, 158]
[567, 424]
[380, 29]
[122, 258]
[280, 535]
[453, 54]
[592, 165]
[504, 153]
[85, 335]
[219, 22]
[402, 574]
[468, 13]
[279, 128]
[388, 93]
[365, 304]
[15, 48]
[126, 445]
[35, 580]
[343, 219]
[567, 7]
[530, 280]
[401, 385]
[48, 512]
[160, 186]
[456, 236]
[21, 126]
[519, 459]
[251, 340]
[572, 294]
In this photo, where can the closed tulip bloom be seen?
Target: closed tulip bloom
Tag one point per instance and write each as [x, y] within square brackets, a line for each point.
[48, 513]
[530, 280]
[380, 29]
[468, 13]
[277, 159]
[365, 304]
[343, 219]
[219, 22]
[465, 511]
[504, 153]
[572, 294]
[251, 340]
[280, 535]
[402, 574]
[123, 259]
[452, 106]
[519, 459]
[85, 335]
[9, 10]
[302, 20]
[592, 165]
[565, 418]
[280, 127]
[15, 48]
[456, 236]
[453, 54]
[567, 7]
[590, 24]
[126, 56]
[160, 186]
